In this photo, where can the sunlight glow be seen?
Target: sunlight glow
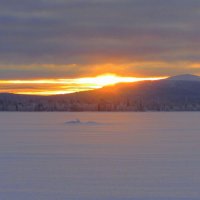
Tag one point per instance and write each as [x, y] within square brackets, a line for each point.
[111, 79]
[65, 86]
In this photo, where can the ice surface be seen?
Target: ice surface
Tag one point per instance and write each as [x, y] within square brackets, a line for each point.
[131, 156]
[79, 122]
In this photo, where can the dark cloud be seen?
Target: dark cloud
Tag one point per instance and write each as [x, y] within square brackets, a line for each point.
[97, 31]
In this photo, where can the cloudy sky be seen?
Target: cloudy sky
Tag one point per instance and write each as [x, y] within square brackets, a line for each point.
[77, 38]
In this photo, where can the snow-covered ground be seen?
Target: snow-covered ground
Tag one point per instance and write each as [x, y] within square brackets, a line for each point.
[100, 156]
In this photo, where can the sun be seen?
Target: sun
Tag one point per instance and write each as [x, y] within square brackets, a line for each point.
[106, 79]
[111, 79]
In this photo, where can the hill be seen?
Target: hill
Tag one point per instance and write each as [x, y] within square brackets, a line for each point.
[179, 93]
[185, 77]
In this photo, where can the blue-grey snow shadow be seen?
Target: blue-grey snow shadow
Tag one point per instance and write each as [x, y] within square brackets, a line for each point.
[79, 122]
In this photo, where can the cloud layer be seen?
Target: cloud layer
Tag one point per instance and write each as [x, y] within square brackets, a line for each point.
[74, 37]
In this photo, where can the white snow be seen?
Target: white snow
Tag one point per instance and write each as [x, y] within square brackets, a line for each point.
[131, 156]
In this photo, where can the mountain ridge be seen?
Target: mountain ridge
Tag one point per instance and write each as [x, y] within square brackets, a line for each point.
[185, 77]
[171, 94]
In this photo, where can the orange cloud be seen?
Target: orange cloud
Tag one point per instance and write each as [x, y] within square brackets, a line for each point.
[64, 86]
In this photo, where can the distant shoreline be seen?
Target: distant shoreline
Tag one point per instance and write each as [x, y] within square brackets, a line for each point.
[170, 95]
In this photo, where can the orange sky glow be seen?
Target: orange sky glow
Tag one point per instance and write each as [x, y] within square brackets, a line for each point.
[65, 86]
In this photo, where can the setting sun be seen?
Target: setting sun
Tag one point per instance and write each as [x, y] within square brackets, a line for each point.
[111, 79]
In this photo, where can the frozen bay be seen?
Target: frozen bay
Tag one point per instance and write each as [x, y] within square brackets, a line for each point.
[100, 156]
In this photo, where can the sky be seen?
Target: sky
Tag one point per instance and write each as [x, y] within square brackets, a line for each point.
[70, 39]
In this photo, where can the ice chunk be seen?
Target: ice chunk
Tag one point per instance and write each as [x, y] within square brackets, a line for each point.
[79, 122]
